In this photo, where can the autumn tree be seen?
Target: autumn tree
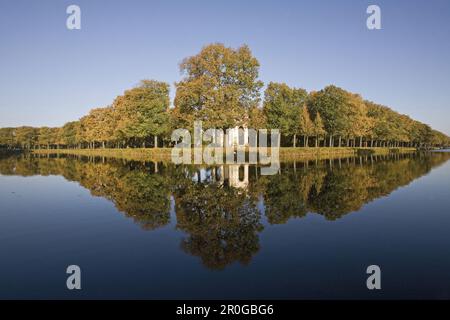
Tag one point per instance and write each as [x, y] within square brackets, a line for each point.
[7, 137]
[318, 129]
[306, 125]
[44, 137]
[359, 123]
[219, 87]
[257, 118]
[100, 125]
[26, 137]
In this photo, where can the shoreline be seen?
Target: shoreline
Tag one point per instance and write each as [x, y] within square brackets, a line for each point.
[285, 154]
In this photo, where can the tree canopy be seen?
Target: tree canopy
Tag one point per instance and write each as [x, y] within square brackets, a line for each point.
[220, 87]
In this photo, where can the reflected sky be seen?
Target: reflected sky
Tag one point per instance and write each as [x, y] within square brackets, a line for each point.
[156, 230]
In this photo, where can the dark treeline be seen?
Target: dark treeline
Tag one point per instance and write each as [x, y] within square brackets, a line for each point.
[218, 208]
[220, 87]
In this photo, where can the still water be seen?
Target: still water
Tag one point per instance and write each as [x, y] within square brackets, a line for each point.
[156, 230]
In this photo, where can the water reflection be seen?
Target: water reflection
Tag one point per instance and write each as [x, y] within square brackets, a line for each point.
[220, 208]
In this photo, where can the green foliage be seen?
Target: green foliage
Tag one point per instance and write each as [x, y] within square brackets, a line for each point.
[69, 133]
[144, 110]
[220, 87]
[282, 107]
[332, 104]
[318, 128]
[26, 137]
[7, 137]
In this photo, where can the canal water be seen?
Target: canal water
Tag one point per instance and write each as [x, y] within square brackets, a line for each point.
[158, 230]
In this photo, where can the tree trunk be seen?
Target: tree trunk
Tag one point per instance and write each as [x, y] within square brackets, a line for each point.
[317, 141]
[294, 141]
[307, 141]
[331, 141]
[156, 142]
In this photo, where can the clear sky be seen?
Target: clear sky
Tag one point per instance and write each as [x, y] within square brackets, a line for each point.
[50, 75]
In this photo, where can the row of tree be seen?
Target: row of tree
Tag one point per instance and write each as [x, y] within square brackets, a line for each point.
[220, 87]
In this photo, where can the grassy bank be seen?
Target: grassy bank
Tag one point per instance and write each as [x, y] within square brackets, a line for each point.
[164, 154]
[138, 154]
[302, 153]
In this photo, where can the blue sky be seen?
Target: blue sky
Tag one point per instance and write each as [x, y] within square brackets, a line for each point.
[50, 75]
